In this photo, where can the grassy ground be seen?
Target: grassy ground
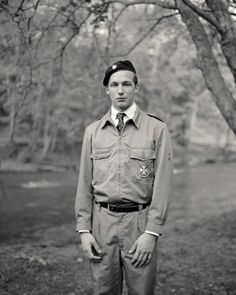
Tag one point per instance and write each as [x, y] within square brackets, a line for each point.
[40, 252]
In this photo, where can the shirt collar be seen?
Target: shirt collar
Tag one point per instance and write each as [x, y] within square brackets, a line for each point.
[133, 113]
[106, 119]
[137, 117]
[130, 112]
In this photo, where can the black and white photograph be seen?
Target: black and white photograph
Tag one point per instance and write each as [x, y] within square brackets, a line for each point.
[117, 147]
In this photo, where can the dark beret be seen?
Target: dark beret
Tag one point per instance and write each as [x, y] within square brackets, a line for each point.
[124, 65]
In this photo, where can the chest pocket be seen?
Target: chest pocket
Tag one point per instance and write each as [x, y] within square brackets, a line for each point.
[101, 164]
[100, 154]
[142, 164]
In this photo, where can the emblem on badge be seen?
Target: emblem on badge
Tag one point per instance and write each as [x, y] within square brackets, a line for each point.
[144, 169]
[114, 67]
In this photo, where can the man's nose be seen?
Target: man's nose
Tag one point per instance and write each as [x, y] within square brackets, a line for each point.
[120, 89]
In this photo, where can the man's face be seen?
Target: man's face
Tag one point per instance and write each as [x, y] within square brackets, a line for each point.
[121, 89]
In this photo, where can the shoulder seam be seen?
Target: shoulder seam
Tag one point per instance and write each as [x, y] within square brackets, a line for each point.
[153, 116]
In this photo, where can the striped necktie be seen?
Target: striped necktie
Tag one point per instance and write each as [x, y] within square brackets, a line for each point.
[120, 125]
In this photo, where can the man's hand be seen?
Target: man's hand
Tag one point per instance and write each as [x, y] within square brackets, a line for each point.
[143, 248]
[89, 244]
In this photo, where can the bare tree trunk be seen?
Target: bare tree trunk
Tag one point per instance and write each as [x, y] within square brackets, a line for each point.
[37, 125]
[208, 65]
[12, 93]
[228, 33]
[47, 142]
[46, 139]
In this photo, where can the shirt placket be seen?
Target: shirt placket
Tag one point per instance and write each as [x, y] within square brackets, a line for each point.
[119, 165]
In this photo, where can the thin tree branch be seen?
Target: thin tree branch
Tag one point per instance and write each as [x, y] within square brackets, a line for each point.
[168, 4]
[20, 8]
[112, 29]
[146, 34]
[119, 14]
[204, 15]
[31, 17]
[76, 32]
[28, 89]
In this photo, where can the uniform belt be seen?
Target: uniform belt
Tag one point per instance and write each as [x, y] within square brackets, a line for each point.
[123, 207]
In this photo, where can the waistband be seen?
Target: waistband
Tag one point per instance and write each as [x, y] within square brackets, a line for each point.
[123, 207]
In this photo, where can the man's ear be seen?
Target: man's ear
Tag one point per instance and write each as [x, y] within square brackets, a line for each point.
[107, 90]
[137, 87]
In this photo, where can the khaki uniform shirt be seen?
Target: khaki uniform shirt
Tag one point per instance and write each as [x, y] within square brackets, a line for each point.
[135, 166]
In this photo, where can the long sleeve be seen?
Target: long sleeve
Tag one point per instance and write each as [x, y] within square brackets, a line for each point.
[162, 183]
[84, 197]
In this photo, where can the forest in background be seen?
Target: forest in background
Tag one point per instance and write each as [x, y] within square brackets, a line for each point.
[53, 55]
[53, 58]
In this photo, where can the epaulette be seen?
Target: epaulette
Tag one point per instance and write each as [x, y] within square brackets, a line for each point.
[101, 117]
[151, 115]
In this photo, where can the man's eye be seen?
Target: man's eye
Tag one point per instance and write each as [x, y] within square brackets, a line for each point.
[113, 84]
[127, 84]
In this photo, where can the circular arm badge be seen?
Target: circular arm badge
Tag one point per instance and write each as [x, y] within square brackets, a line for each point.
[144, 169]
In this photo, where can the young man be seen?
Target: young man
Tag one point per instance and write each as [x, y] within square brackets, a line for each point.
[124, 182]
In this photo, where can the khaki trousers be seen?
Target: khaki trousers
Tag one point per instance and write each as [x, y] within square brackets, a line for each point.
[115, 233]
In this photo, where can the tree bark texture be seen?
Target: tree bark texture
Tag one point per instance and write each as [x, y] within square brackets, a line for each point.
[47, 138]
[12, 94]
[208, 65]
[228, 32]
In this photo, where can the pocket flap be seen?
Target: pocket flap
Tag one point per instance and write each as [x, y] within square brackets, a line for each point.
[142, 154]
[101, 154]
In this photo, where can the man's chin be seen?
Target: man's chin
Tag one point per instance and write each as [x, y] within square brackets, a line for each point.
[123, 107]
[123, 104]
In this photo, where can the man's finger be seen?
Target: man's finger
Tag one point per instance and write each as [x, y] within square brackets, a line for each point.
[96, 247]
[141, 260]
[149, 257]
[133, 248]
[91, 256]
[138, 261]
[144, 260]
[135, 258]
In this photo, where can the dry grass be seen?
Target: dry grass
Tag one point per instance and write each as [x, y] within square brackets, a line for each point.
[40, 253]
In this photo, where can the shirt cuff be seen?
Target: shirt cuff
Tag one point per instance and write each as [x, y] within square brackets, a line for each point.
[83, 231]
[152, 233]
